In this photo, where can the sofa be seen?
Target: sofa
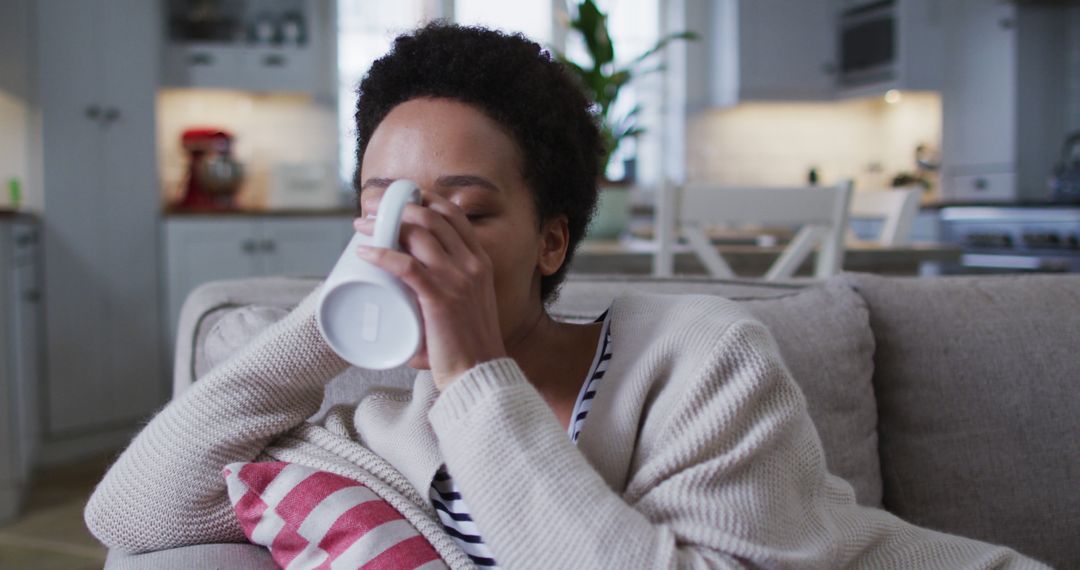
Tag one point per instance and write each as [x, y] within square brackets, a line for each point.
[953, 402]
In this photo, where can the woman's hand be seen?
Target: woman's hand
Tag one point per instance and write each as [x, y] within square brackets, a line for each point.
[444, 264]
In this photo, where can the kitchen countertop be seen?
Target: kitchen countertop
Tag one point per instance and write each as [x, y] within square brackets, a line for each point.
[337, 212]
[7, 214]
[635, 257]
[940, 205]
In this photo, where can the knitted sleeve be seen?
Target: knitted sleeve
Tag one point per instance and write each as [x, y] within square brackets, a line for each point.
[739, 479]
[166, 489]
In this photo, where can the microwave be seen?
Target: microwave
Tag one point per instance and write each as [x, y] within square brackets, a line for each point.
[867, 42]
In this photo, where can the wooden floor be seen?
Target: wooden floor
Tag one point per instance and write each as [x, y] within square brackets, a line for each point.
[51, 535]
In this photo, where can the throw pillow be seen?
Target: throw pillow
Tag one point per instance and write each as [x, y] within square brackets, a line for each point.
[315, 519]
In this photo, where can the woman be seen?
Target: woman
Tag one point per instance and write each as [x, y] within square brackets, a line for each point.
[666, 434]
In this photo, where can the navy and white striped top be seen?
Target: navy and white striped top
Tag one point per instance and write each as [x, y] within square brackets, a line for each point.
[445, 496]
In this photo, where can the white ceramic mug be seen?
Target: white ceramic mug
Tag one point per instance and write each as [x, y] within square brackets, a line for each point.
[369, 317]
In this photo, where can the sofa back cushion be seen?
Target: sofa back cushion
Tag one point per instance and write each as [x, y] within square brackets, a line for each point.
[978, 388]
[823, 333]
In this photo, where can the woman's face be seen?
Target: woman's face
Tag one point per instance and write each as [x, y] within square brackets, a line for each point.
[453, 149]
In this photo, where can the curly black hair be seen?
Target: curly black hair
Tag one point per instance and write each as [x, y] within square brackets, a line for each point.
[515, 82]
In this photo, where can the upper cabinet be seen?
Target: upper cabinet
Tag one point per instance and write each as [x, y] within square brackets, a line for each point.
[254, 45]
[760, 50]
[800, 50]
[888, 44]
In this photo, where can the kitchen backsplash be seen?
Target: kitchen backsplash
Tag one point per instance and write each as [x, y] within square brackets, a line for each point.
[270, 130]
[775, 144]
[14, 158]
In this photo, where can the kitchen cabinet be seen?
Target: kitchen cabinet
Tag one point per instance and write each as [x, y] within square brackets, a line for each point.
[912, 56]
[20, 359]
[207, 248]
[96, 80]
[1003, 99]
[760, 50]
[245, 45]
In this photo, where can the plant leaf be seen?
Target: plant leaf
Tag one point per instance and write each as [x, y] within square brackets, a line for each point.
[592, 23]
[664, 41]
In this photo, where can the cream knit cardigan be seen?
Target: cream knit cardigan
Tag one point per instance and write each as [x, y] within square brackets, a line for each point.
[698, 453]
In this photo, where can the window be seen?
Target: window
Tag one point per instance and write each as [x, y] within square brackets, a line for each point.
[533, 18]
[366, 29]
[634, 28]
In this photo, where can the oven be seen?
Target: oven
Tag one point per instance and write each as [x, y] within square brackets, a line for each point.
[1043, 239]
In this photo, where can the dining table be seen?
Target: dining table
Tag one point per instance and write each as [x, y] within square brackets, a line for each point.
[632, 255]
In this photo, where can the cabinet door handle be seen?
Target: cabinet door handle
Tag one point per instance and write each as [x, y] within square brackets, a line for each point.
[201, 58]
[268, 246]
[92, 112]
[249, 246]
[32, 296]
[111, 115]
[274, 60]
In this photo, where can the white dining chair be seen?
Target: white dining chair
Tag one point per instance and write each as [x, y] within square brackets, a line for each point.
[821, 213]
[897, 209]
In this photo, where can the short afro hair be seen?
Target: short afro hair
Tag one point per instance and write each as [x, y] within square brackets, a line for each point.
[516, 83]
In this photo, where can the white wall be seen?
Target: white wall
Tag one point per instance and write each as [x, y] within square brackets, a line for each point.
[775, 144]
[14, 135]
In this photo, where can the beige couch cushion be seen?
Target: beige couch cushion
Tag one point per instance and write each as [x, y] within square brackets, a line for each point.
[978, 388]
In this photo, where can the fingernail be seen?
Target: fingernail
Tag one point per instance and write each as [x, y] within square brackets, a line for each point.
[365, 251]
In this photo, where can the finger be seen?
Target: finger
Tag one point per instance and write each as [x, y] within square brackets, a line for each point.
[436, 223]
[422, 244]
[401, 265]
[365, 226]
[455, 216]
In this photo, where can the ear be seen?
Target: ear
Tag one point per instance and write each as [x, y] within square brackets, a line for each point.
[554, 239]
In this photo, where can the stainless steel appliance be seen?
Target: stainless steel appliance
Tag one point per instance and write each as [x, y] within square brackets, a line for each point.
[1013, 239]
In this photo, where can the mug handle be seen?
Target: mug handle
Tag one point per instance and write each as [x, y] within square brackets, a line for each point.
[388, 222]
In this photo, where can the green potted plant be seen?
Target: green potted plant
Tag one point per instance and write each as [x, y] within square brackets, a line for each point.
[602, 80]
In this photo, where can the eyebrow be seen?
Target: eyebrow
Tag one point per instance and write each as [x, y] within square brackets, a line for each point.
[460, 180]
[451, 181]
[375, 182]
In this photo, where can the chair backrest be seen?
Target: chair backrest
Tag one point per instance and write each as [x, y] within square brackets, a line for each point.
[822, 213]
[898, 208]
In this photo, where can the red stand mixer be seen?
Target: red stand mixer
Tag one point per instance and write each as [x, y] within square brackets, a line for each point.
[213, 176]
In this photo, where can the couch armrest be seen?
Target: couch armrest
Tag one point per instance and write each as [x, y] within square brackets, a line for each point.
[283, 292]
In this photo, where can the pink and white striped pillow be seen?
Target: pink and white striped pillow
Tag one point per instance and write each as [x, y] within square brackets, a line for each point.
[315, 519]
